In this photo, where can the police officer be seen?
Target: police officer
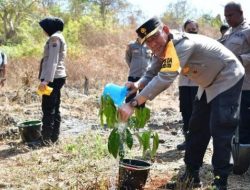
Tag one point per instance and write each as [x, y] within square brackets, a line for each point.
[219, 75]
[52, 73]
[191, 26]
[187, 89]
[3, 68]
[138, 57]
[237, 39]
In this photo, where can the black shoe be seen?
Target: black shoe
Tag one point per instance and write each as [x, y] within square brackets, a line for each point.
[181, 146]
[54, 138]
[183, 184]
[39, 143]
[219, 183]
[190, 179]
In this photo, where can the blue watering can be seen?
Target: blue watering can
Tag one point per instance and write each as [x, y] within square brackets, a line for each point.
[116, 92]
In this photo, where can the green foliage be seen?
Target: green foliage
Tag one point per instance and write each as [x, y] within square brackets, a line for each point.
[25, 37]
[22, 50]
[212, 21]
[108, 112]
[141, 117]
[129, 139]
[114, 142]
[122, 133]
[88, 23]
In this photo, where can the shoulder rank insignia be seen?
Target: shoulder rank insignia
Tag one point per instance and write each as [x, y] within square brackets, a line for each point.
[54, 42]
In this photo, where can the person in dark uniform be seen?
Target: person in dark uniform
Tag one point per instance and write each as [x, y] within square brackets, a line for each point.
[223, 30]
[3, 68]
[219, 75]
[138, 58]
[53, 74]
[237, 39]
[187, 89]
[191, 26]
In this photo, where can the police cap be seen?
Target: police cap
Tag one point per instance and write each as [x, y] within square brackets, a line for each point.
[149, 28]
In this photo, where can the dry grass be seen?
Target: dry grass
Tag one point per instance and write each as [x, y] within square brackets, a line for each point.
[73, 164]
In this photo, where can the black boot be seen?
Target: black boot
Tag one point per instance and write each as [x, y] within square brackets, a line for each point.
[220, 183]
[190, 179]
[46, 135]
[55, 132]
[182, 146]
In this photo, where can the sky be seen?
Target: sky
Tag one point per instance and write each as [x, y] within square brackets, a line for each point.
[152, 8]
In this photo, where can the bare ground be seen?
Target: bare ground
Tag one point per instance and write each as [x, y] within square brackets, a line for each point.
[69, 165]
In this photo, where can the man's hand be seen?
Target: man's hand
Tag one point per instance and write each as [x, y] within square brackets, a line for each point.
[132, 88]
[125, 111]
[42, 85]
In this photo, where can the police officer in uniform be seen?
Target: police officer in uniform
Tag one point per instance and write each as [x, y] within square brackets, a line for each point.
[219, 75]
[187, 89]
[52, 73]
[237, 39]
[3, 68]
[138, 58]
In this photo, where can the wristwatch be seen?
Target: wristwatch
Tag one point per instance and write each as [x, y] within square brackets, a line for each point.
[134, 103]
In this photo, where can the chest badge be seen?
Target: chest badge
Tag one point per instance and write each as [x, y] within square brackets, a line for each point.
[186, 70]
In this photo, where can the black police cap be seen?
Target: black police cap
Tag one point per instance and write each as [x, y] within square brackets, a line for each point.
[149, 28]
[224, 27]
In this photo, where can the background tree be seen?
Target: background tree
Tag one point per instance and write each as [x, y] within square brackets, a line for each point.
[49, 3]
[177, 12]
[12, 13]
[107, 7]
[77, 7]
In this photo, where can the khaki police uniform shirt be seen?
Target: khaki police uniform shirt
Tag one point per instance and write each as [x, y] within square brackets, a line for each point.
[204, 60]
[53, 58]
[138, 57]
[238, 41]
[185, 81]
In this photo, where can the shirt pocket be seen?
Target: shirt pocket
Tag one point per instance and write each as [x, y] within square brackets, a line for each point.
[136, 52]
[238, 41]
[201, 73]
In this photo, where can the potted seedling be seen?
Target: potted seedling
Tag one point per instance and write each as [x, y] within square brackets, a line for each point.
[132, 172]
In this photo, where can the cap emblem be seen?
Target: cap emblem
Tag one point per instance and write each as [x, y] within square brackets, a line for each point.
[143, 30]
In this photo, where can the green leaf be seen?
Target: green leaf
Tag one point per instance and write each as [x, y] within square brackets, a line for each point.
[142, 116]
[114, 142]
[129, 139]
[155, 145]
[131, 122]
[145, 140]
[108, 111]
